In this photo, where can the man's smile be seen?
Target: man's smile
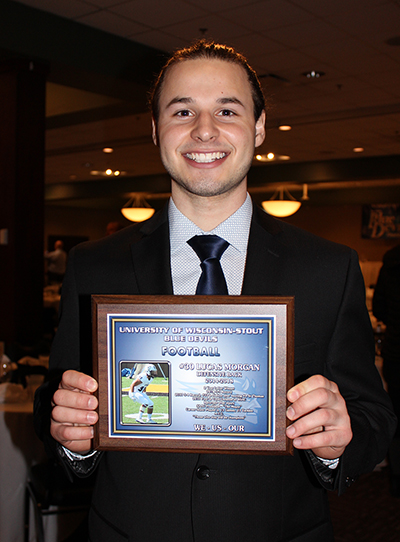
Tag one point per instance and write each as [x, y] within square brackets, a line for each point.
[205, 157]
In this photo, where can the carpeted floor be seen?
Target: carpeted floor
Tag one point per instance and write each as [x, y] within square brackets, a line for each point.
[367, 512]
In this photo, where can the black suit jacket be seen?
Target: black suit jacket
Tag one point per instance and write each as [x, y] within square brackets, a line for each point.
[252, 498]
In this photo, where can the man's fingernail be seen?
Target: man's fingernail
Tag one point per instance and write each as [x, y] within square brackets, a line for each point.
[91, 417]
[290, 431]
[91, 386]
[92, 403]
[290, 413]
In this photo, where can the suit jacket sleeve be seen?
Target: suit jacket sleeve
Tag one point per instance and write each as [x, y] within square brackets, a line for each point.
[333, 334]
[109, 266]
[350, 363]
[65, 355]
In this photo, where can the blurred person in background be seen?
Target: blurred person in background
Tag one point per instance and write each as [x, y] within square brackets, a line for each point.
[56, 263]
[386, 308]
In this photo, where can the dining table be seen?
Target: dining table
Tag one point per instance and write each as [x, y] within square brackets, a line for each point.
[20, 449]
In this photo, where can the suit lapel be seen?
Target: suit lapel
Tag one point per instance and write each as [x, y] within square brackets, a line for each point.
[151, 256]
[265, 257]
[264, 262]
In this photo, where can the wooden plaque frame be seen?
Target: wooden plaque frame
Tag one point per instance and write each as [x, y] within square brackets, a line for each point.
[227, 363]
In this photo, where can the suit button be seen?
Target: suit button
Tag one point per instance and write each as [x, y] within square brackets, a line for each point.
[203, 473]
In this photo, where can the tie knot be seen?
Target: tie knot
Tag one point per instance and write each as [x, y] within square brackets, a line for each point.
[209, 249]
[208, 246]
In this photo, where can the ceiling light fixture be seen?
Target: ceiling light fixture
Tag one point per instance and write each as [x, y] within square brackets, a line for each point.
[137, 209]
[282, 203]
[305, 196]
[108, 150]
[284, 128]
[358, 149]
[313, 74]
[265, 157]
[271, 156]
[107, 173]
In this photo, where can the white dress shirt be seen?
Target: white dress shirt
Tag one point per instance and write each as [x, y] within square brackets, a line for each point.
[185, 264]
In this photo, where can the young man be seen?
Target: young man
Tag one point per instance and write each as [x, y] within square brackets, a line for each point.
[208, 117]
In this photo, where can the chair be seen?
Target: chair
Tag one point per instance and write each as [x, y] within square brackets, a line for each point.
[51, 493]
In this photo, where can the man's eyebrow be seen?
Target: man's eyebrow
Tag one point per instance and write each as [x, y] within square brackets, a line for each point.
[178, 100]
[223, 101]
[230, 100]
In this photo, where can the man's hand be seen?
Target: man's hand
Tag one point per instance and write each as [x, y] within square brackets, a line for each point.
[321, 421]
[73, 413]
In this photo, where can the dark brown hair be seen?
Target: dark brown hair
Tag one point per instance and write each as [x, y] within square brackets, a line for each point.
[208, 50]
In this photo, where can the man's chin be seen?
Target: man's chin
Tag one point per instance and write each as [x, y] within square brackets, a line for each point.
[207, 189]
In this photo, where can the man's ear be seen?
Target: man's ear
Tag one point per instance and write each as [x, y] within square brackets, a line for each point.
[260, 129]
[154, 132]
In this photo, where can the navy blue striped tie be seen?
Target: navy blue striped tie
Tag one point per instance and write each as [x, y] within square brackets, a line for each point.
[209, 248]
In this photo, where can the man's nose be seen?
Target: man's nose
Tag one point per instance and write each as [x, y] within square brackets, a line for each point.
[205, 128]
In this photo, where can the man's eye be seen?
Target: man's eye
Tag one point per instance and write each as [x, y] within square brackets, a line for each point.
[183, 113]
[226, 113]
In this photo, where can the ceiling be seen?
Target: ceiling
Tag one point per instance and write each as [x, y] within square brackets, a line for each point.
[103, 54]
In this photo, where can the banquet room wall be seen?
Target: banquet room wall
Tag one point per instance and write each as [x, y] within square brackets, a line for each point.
[339, 223]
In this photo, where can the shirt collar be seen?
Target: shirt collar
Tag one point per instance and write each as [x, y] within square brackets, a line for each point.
[235, 229]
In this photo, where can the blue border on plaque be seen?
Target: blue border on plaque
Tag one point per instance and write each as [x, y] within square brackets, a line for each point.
[221, 375]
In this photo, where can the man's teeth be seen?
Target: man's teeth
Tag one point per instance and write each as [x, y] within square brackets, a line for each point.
[205, 157]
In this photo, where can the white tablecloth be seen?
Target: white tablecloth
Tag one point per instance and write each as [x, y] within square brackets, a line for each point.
[19, 449]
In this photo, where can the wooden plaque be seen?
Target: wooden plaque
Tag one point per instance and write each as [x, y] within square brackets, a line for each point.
[221, 367]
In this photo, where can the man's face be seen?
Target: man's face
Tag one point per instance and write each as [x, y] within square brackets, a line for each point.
[206, 129]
